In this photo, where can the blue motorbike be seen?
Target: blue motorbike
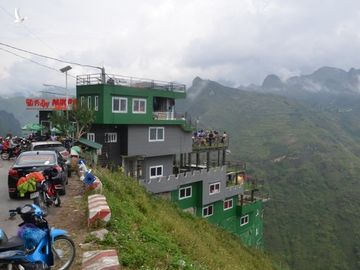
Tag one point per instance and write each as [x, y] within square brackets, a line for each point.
[36, 246]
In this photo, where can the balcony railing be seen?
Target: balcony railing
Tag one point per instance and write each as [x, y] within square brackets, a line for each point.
[168, 116]
[110, 79]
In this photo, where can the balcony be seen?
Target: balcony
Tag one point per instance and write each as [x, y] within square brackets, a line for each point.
[206, 141]
[111, 79]
[168, 116]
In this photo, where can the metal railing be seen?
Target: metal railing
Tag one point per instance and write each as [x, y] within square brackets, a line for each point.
[111, 79]
[168, 116]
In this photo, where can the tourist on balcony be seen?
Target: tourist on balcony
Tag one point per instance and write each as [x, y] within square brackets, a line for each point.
[224, 137]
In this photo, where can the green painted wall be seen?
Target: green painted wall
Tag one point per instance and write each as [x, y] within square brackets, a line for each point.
[193, 201]
[250, 234]
[106, 92]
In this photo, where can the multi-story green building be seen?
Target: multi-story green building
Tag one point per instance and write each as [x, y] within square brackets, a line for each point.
[139, 128]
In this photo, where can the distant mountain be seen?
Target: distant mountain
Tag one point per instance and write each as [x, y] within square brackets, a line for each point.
[9, 124]
[324, 80]
[16, 106]
[309, 156]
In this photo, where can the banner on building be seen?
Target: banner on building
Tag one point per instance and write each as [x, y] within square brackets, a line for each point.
[53, 104]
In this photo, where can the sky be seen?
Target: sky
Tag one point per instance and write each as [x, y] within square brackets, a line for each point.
[234, 42]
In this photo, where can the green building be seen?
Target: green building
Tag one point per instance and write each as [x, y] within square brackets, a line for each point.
[139, 128]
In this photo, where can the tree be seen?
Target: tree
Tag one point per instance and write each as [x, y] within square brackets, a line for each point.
[78, 120]
[84, 117]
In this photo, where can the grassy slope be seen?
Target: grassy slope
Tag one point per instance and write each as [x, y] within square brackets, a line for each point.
[151, 233]
[312, 219]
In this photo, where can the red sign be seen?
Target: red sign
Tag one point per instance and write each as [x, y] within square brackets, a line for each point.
[49, 104]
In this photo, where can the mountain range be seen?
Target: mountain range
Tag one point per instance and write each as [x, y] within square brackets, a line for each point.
[302, 137]
[306, 146]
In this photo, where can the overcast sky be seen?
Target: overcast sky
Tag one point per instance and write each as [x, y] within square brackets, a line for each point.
[235, 42]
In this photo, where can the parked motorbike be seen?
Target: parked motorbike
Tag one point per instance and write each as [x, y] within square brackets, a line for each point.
[46, 194]
[8, 153]
[37, 247]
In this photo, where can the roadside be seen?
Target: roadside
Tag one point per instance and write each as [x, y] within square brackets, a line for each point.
[72, 216]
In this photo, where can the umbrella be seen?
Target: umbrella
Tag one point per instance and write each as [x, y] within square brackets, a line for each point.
[76, 149]
[55, 130]
[32, 127]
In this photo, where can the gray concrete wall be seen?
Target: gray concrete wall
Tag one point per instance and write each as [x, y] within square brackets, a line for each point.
[165, 161]
[172, 182]
[176, 141]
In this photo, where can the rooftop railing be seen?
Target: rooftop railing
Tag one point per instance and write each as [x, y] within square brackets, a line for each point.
[111, 79]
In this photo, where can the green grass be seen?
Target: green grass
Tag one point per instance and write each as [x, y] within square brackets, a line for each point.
[152, 233]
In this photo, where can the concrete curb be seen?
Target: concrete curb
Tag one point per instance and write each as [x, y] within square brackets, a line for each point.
[98, 209]
[100, 260]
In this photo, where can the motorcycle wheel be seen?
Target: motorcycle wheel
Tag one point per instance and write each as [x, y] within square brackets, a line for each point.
[63, 249]
[5, 156]
[57, 201]
[41, 202]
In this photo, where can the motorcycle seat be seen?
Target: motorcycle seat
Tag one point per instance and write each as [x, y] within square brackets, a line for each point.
[14, 242]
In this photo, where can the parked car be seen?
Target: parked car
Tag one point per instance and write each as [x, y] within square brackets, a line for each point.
[53, 145]
[33, 161]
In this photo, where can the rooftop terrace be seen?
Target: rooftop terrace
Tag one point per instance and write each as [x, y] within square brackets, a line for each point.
[111, 79]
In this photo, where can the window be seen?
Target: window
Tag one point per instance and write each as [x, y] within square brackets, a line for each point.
[208, 211]
[214, 188]
[156, 171]
[228, 204]
[156, 134]
[91, 137]
[185, 192]
[119, 105]
[244, 220]
[89, 102]
[139, 105]
[82, 100]
[96, 103]
[111, 137]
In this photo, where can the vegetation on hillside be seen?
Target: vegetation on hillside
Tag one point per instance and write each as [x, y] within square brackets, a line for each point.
[310, 161]
[151, 233]
[9, 124]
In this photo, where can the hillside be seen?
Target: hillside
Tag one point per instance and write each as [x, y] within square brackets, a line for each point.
[151, 233]
[309, 159]
[9, 124]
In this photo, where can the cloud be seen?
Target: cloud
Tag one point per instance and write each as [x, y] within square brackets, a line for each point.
[235, 41]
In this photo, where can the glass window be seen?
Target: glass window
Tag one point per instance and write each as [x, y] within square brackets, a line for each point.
[119, 105]
[228, 204]
[89, 102]
[185, 192]
[139, 105]
[91, 137]
[208, 211]
[156, 171]
[244, 220]
[214, 188]
[111, 137]
[96, 103]
[156, 134]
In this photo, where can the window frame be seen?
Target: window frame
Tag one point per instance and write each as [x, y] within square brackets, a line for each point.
[119, 99]
[112, 135]
[156, 167]
[215, 190]
[82, 100]
[211, 206]
[139, 100]
[96, 103]
[185, 189]
[90, 136]
[246, 220]
[229, 207]
[89, 102]
[157, 134]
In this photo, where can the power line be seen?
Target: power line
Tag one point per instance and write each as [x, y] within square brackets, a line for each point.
[33, 61]
[48, 57]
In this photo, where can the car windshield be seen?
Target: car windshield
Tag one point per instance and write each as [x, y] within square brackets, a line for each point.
[57, 147]
[35, 160]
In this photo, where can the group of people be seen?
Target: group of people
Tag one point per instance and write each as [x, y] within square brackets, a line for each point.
[209, 138]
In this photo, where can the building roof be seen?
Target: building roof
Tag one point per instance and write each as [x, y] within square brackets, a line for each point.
[90, 143]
